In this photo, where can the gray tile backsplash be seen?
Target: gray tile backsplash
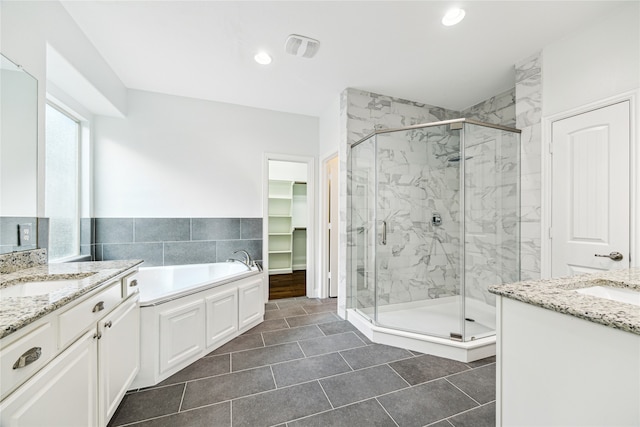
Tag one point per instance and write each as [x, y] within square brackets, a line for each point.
[176, 253]
[225, 249]
[251, 228]
[174, 241]
[151, 253]
[9, 233]
[215, 228]
[161, 229]
[114, 230]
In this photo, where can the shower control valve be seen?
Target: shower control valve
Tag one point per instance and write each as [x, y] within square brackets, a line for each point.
[436, 219]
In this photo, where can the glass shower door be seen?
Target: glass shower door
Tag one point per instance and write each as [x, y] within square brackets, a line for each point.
[417, 269]
[491, 225]
[361, 230]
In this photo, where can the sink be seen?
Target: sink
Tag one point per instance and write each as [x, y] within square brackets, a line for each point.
[43, 285]
[614, 294]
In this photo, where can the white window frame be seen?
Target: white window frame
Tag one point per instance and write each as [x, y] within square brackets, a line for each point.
[82, 126]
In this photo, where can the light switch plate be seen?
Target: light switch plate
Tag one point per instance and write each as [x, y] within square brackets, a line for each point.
[25, 234]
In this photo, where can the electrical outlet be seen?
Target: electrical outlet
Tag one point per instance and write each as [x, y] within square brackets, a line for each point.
[25, 236]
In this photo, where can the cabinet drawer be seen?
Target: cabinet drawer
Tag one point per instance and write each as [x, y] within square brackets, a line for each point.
[28, 354]
[129, 285]
[77, 319]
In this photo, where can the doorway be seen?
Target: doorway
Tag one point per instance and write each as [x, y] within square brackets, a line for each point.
[288, 226]
[590, 191]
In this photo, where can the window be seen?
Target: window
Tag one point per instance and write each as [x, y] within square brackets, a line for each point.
[62, 186]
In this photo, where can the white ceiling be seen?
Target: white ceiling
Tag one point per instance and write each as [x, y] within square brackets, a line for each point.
[205, 49]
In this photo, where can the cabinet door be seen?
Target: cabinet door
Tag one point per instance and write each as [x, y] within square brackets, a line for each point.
[181, 334]
[64, 393]
[118, 355]
[251, 302]
[222, 316]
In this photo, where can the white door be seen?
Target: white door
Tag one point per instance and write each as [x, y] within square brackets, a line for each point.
[590, 191]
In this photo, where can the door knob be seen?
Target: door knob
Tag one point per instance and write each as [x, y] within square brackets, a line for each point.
[616, 256]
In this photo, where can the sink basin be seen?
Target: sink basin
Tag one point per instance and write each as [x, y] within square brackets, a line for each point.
[614, 294]
[43, 285]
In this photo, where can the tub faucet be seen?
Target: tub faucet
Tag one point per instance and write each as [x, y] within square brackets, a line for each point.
[248, 261]
[247, 257]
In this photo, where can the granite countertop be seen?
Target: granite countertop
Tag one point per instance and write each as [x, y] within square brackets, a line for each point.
[22, 302]
[560, 295]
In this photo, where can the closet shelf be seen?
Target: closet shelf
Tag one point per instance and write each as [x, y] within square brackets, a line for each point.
[287, 219]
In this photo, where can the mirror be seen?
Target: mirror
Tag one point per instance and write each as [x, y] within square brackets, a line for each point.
[18, 158]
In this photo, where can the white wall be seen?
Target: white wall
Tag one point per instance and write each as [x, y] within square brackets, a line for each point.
[26, 28]
[287, 171]
[597, 62]
[329, 129]
[182, 157]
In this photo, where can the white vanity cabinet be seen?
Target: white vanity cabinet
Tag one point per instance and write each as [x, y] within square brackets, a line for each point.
[118, 355]
[557, 370]
[81, 378]
[63, 393]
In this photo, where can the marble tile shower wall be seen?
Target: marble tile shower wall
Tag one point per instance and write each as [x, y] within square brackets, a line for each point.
[421, 261]
[491, 210]
[171, 241]
[362, 113]
[498, 110]
[529, 120]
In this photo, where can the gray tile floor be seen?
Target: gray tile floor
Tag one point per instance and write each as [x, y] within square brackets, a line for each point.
[303, 366]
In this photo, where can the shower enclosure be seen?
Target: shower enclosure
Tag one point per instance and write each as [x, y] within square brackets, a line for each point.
[433, 221]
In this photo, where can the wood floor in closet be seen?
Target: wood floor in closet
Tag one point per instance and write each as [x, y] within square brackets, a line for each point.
[288, 285]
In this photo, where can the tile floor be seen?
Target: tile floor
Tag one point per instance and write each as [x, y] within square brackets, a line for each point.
[303, 366]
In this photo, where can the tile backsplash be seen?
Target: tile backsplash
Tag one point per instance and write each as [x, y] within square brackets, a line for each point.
[171, 241]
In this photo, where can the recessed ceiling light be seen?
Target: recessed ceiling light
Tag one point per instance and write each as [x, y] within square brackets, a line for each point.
[263, 58]
[453, 16]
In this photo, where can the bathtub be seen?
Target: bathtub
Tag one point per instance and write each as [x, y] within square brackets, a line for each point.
[158, 285]
[187, 311]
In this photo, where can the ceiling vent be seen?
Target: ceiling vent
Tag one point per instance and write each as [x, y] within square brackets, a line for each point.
[302, 46]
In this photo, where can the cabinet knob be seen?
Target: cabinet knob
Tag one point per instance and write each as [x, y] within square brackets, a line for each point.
[28, 357]
[98, 307]
[97, 335]
[133, 283]
[108, 324]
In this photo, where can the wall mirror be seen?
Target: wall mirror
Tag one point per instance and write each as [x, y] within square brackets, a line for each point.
[18, 158]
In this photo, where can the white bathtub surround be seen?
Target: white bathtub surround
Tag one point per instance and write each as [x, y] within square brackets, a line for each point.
[188, 311]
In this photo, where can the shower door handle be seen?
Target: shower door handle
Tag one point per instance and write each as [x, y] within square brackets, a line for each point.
[384, 232]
